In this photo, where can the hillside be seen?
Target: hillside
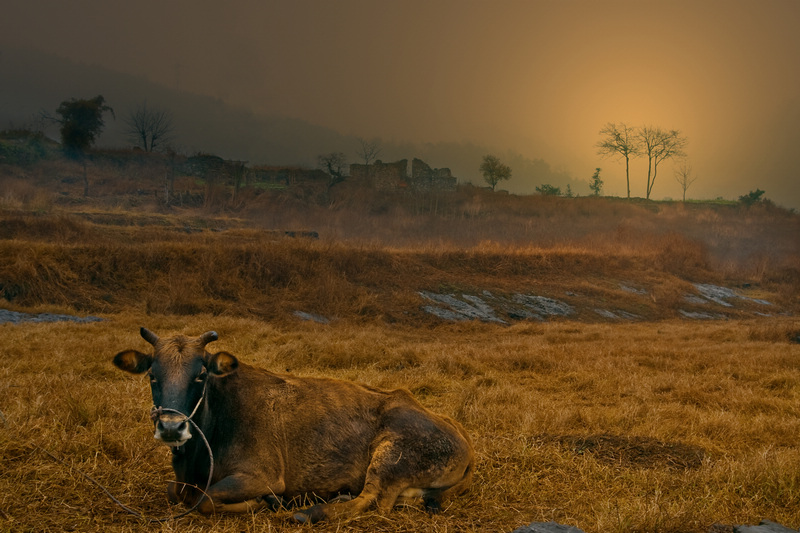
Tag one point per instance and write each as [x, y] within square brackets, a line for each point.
[208, 124]
[350, 252]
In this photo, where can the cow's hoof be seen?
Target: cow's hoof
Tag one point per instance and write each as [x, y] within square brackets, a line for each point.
[312, 515]
[433, 505]
[172, 492]
[273, 503]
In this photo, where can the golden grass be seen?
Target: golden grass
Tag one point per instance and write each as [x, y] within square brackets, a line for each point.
[121, 260]
[668, 426]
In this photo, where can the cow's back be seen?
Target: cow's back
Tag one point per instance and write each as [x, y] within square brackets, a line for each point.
[319, 434]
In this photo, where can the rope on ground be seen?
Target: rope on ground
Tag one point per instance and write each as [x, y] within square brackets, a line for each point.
[125, 507]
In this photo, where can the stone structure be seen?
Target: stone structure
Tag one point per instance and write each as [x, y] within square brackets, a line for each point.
[393, 176]
[286, 175]
[384, 176]
[423, 177]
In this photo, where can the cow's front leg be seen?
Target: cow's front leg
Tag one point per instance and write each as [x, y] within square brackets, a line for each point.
[179, 492]
[241, 493]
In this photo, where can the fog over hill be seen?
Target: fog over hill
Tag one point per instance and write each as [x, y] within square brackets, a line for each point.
[34, 82]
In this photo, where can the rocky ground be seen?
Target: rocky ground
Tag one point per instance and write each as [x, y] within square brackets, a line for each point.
[15, 317]
[708, 302]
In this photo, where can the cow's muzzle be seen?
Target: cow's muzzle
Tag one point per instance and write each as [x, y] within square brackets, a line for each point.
[172, 428]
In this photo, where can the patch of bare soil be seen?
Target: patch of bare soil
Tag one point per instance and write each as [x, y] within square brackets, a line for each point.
[641, 452]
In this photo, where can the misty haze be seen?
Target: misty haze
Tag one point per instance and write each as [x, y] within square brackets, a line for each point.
[447, 82]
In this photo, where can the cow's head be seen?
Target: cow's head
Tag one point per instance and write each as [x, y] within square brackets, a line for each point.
[178, 369]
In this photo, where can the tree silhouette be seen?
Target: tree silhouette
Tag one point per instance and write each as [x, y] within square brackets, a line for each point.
[597, 184]
[334, 164]
[81, 123]
[149, 128]
[659, 145]
[683, 175]
[494, 171]
[369, 150]
[619, 140]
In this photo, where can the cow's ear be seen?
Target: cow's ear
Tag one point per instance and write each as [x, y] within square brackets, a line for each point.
[133, 361]
[221, 364]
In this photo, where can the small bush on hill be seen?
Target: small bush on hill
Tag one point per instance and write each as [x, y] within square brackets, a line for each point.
[23, 147]
[751, 198]
[548, 190]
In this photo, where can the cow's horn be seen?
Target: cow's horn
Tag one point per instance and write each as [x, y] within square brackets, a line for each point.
[149, 336]
[208, 336]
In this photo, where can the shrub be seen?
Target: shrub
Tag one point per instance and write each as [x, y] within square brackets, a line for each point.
[752, 198]
[548, 190]
[22, 146]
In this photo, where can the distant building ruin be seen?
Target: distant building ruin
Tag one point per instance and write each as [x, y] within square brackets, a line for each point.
[286, 175]
[393, 176]
[427, 178]
[383, 176]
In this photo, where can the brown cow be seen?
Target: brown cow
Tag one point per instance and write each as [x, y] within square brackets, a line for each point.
[278, 437]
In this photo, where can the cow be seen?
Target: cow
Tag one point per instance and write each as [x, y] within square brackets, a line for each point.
[279, 438]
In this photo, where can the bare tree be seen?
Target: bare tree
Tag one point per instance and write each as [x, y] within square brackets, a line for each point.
[369, 150]
[149, 128]
[619, 140]
[658, 145]
[334, 164]
[683, 175]
[494, 171]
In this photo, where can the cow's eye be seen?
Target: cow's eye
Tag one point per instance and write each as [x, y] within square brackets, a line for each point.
[153, 379]
[201, 378]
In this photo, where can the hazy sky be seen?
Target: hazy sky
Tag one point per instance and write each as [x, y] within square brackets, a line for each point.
[539, 76]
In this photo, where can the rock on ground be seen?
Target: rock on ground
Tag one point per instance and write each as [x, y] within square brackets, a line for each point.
[765, 526]
[15, 317]
[547, 527]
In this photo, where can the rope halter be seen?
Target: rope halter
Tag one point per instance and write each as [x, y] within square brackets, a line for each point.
[157, 411]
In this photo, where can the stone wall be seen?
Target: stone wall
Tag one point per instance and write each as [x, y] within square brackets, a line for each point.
[384, 176]
[285, 175]
[423, 177]
[392, 176]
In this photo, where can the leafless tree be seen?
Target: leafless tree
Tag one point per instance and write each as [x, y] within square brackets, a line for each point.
[369, 150]
[683, 175]
[334, 164]
[149, 128]
[619, 140]
[659, 145]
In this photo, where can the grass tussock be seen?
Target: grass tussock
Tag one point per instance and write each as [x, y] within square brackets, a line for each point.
[644, 427]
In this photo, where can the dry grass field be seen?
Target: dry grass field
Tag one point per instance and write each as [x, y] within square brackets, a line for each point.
[668, 426]
[660, 424]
